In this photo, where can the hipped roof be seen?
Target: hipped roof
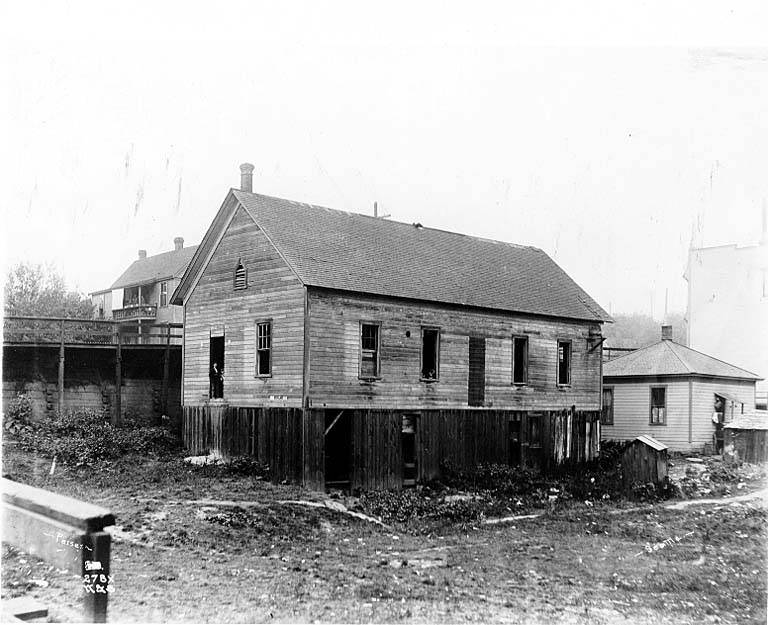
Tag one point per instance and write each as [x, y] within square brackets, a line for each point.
[672, 359]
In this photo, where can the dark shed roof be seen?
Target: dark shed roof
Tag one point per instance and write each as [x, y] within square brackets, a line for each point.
[158, 267]
[352, 252]
[670, 358]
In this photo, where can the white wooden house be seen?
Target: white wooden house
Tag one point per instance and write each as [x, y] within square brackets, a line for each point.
[675, 394]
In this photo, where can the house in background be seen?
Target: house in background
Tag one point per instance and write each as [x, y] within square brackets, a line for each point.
[141, 297]
[675, 394]
[348, 350]
[728, 304]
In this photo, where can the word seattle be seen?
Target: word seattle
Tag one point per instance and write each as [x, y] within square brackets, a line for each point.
[649, 548]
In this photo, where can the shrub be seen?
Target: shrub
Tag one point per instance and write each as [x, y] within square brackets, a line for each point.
[18, 415]
[85, 437]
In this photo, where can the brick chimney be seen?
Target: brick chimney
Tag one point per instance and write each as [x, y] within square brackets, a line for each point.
[246, 177]
[666, 333]
[142, 254]
[178, 243]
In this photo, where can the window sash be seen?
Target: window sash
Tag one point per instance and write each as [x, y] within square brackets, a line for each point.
[264, 349]
[370, 336]
[658, 405]
[564, 358]
[163, 294]
[606, 415]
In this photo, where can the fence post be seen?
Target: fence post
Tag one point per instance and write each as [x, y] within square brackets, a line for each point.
[61, 368]
[166, 365]
[117, 418]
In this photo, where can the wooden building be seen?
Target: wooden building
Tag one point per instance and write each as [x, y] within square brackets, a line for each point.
[746, 438]
[677, 395]
[644, 461]
[351, 350]
[140, 298]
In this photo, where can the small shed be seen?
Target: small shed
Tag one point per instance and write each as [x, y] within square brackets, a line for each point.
[746, 438]
[645, 460]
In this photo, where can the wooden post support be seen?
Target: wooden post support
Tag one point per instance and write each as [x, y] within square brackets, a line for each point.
[166, 366]
[117, 418]
[96, 579]
[61, 368]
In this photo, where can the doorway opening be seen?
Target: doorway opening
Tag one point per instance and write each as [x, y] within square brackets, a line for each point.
[216, 371]
[408, 441]
[338, 449]
[515, 422]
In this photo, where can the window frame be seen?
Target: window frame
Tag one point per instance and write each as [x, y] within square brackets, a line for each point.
[438, 330]
[650, 404]
[361, 351]
[602, 404]
[569, 343]
[519, 337]
[163, 297]
[257, 373]
[245, 276]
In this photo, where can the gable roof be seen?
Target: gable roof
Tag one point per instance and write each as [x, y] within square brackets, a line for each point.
[154, 268]
[352, 252]
[670, 358]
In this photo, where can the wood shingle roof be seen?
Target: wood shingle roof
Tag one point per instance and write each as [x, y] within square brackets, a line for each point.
[352, 252]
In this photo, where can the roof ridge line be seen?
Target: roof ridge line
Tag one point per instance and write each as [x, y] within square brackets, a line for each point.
[717, 359]
[682, 362]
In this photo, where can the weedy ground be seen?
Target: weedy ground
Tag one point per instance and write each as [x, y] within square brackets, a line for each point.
[180, 556]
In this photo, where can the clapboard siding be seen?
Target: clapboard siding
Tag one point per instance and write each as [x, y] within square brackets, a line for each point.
[334, 356]
[274, 293]
[632, 404]
[704, 403]
[631, 413]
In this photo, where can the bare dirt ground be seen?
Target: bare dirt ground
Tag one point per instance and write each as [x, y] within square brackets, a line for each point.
[178, 556]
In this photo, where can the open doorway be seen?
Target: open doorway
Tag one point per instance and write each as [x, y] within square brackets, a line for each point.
[408, 440]
[338, 449]
[515, 455]
[216, 367]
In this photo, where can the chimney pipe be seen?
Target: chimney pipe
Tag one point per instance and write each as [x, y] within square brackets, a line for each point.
[178, 243]
[142, 254]
[666, 333]
[246, 177]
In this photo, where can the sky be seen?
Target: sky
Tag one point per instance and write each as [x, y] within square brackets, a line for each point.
[612, 135]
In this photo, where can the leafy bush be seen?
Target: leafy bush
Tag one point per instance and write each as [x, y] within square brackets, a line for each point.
[85, 437]
[18, 415]
[238, 465]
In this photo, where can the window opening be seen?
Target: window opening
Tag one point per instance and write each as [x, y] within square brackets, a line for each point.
[369, 350]
[430, 353]
[563, 363]
[520, 360]
[264, 349]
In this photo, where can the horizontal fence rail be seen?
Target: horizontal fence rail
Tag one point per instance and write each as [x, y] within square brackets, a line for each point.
[56, 330]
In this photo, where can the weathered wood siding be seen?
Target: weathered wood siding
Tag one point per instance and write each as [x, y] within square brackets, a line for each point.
[334, 357]
[643, 464]
[746, 445]
[631, 405]
[631, 413]
[274, 293]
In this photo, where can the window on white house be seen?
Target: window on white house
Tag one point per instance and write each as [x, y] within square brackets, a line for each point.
[369, 350]
[163, 294]
[264, 349]
[520, 360]
[563, 363]
[430, 353]
[241, 277]
[658, 413]
[606, 416]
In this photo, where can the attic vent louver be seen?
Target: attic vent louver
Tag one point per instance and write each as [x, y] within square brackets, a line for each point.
[241, 277]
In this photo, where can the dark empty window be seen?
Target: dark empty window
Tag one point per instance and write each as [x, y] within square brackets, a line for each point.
[520, 360]
[563, 362]
[264, 349]
[241, 277]
[369, 350]
[163, 294]
[606, 416]
[430, 353]
[658, 405]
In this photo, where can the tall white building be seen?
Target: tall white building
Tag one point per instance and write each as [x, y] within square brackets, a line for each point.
[728, 304]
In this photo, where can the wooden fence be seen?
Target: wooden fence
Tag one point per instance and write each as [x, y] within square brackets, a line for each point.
[742, 445]
[292, 441]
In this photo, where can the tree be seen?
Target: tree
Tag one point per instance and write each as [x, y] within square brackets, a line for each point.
[38, 291]
[638, 330]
